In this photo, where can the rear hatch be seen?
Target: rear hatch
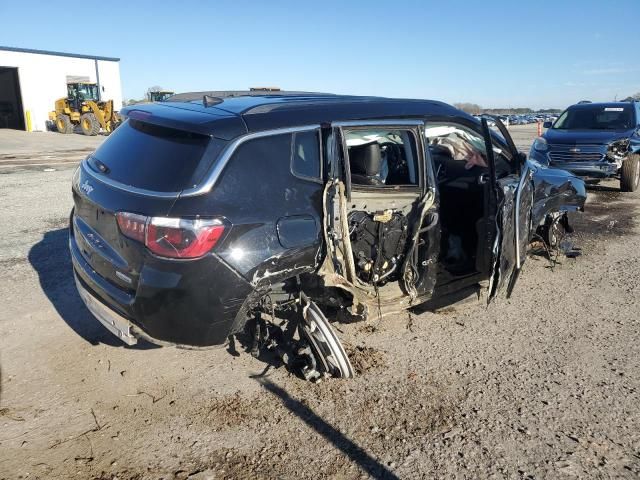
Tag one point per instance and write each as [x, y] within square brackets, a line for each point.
[141, 169]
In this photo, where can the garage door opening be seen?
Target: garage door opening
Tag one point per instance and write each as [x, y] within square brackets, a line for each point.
[11, 113]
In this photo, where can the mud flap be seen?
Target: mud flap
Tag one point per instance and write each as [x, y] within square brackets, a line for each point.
[330, 356]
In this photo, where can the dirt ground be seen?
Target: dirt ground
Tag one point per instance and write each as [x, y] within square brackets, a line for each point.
[544, 385]
[24, 150]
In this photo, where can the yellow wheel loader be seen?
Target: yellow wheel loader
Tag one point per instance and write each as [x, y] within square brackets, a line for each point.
[83, 107]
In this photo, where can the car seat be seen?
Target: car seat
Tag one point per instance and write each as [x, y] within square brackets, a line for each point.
[365, 161]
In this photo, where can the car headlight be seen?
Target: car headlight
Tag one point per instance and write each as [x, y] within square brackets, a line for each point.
[540, 145]
[619, 149]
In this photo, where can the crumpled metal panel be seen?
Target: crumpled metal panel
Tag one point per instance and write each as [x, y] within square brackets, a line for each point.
[555, 191]
[506, 254]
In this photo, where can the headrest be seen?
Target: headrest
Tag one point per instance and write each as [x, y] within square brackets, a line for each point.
[365, 159]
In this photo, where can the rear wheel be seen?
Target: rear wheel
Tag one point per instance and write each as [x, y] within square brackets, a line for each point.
[63, 124]
[327, 349]
[630, 174]
[89, 124]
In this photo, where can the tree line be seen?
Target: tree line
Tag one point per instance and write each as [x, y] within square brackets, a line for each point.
[475, 109]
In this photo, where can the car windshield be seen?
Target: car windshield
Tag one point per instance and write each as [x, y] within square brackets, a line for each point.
[596, 118]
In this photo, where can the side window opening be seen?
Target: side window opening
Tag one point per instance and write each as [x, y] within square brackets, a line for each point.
[459, 143]
[460, 159]
[382, 157]
[459, 151]
[305, 155]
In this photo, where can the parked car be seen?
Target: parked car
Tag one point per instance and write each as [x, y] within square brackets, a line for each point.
[595, 141]
[203, 214]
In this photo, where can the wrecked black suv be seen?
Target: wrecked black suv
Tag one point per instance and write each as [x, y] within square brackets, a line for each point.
[208, 211]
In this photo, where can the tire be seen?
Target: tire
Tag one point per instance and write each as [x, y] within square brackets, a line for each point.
[89, 124]
[63, 124]
[554, 234]
[630, 173]
[324, 342]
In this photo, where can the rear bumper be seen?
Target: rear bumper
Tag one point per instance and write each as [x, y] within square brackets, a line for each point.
[188, 303]
[110, 319]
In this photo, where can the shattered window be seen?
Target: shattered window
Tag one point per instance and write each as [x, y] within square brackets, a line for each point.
[305, 154]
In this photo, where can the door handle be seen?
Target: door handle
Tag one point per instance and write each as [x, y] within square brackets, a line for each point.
[483, 178]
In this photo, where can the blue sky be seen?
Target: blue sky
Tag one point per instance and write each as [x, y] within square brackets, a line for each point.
[536, 53]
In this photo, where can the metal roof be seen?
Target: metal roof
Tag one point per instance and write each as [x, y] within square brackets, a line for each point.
[238, 113]
[58, 54]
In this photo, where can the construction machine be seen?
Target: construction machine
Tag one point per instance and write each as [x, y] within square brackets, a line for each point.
[159, 96]
[83, 107]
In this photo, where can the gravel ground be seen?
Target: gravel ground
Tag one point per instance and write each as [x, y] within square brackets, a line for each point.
[544, 385]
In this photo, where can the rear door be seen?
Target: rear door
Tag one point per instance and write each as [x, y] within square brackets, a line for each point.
[418, 270]
[513, 178]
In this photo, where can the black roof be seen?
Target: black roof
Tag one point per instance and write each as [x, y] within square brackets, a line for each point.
[230, 114]
[57, 54]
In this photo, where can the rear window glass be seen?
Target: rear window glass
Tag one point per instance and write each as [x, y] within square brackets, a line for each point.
[150, 157]
[305, 154]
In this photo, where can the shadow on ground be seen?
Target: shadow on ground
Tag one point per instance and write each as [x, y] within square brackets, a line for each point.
[348, 447]
[602, 188]
[51, 259]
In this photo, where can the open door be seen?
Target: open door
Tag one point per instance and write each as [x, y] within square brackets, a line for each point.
[383, 209]
[515, 198]
[11, 111]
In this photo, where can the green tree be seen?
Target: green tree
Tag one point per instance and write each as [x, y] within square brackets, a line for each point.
[471, 108]
[632, 97]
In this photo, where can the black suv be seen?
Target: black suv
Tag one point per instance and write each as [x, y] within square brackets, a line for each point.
[210, 210]
[595, 141]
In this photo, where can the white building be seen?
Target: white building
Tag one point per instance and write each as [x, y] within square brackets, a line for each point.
[32, 80]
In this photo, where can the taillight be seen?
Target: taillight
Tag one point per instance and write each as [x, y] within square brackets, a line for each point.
[172, 237]
[181, 238]
[132, 225]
